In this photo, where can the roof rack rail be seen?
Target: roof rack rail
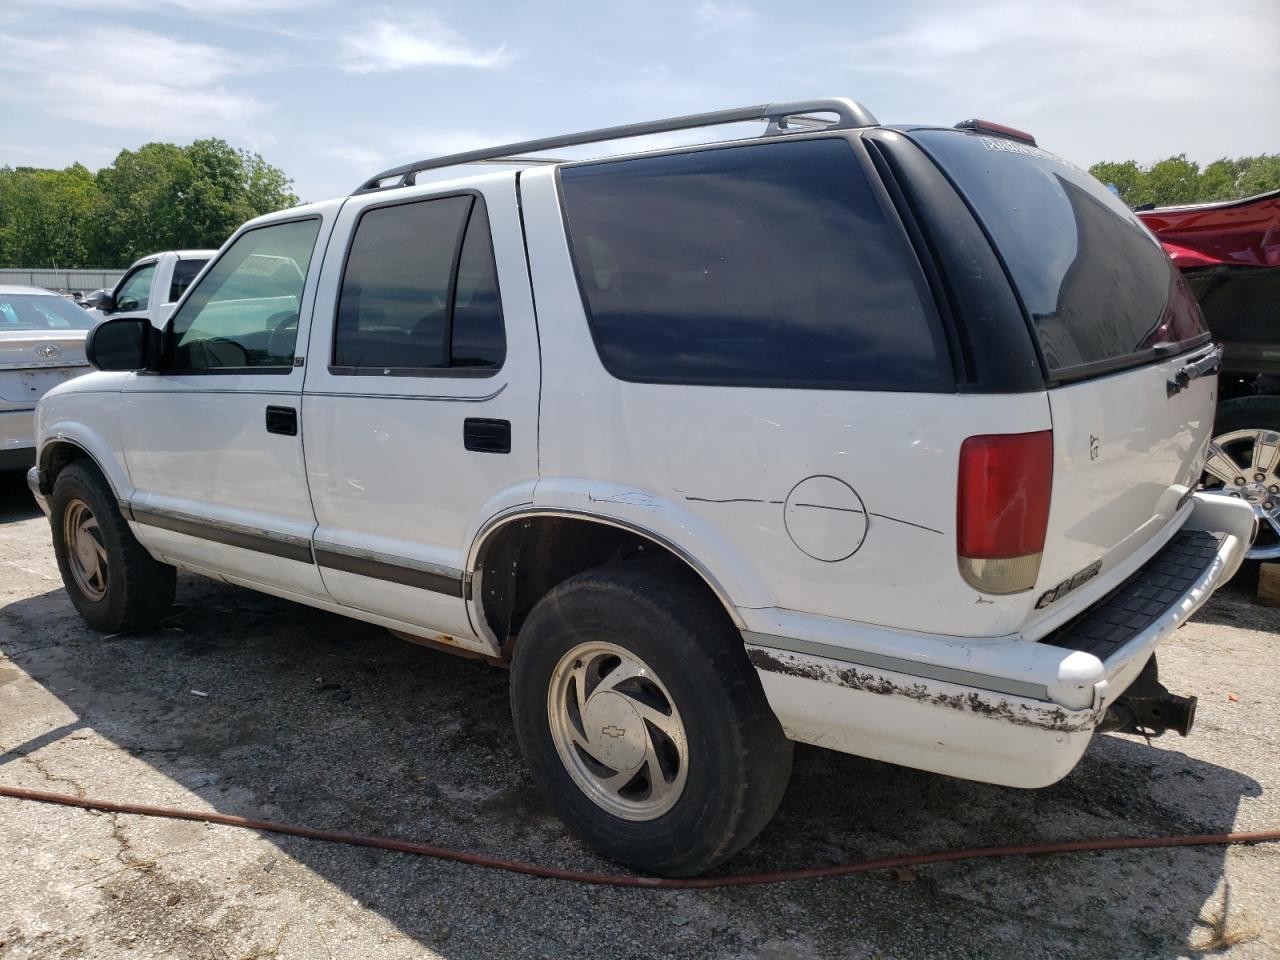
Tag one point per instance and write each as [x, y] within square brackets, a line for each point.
[782, 117]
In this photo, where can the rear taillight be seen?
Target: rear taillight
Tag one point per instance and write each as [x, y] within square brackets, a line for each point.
[1002, 509]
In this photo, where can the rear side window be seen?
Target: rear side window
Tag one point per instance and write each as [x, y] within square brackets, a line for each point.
[184, 271]
[765, 265]
[420, 292]
[1100, 292]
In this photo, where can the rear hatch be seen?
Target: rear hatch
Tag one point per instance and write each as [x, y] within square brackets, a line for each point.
[41, 345]
[1114, 324]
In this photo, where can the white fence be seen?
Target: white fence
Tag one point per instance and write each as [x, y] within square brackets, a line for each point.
[63, 281]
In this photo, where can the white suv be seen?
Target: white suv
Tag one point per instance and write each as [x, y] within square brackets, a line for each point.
[881, 439]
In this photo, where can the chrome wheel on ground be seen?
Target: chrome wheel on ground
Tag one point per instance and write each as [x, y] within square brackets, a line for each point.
[86, 552]
[617, 731]
[1246, 464]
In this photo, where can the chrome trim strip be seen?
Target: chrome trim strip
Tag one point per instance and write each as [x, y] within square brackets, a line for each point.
[382, 566]
[405, 396]
[232, 534]
[913, 668]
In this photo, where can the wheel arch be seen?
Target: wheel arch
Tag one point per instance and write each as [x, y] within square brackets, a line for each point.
[60, 451]
[501, 589]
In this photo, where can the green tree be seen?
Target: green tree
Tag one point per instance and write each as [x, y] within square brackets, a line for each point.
[1177, 180]
[158, 197]
[46, 216]
[1127, 177]
[1259, 174]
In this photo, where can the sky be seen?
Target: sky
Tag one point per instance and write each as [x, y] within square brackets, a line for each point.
[333, 91]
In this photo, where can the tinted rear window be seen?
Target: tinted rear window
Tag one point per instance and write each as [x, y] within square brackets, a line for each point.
[1097, 286]
[184, 271]
[764, 265]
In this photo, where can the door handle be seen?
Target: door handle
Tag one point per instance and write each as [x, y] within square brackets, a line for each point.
[486, 436]
[282, 420]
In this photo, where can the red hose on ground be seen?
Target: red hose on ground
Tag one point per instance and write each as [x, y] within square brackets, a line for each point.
[624, 880]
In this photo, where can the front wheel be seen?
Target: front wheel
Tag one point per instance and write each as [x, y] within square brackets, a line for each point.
[642, 721]
[1243, 460]
[112, 581]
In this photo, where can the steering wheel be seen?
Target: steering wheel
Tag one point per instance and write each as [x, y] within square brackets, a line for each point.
[284, 335]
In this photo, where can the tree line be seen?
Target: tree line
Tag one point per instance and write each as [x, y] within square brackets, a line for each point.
[158, 197]
[1177, 180]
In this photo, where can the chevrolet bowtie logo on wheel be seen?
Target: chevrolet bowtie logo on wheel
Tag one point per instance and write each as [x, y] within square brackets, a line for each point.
[612, 731]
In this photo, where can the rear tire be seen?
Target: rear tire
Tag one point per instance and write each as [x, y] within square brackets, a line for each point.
[642, 721]
[112, 581]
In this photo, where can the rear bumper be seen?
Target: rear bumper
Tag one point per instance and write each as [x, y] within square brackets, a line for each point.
[1003, 710]
[17, 439]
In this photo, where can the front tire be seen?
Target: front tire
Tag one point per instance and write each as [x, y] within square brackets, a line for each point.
[112, 581]
[642, 721]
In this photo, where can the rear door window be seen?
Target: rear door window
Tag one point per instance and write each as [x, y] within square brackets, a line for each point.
[765, 265]
[1098, 288]
[184, 271]
[420, 292]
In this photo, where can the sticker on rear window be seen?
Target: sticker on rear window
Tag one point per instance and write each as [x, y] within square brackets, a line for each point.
[1010, 146]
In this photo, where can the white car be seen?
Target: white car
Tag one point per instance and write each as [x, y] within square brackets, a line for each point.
[41, 345]
[151, 287]
[881, 439]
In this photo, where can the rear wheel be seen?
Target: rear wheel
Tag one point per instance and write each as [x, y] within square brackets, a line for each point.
[1243, 460]
[642, 721]
[111, 579]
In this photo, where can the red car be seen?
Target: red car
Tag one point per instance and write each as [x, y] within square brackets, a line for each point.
[1230, 255]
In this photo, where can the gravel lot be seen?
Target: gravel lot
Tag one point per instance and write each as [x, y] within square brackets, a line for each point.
[313, 719]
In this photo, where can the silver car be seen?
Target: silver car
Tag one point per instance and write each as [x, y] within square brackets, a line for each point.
[41, 345]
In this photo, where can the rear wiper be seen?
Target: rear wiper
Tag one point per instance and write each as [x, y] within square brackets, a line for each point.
[1206, 365]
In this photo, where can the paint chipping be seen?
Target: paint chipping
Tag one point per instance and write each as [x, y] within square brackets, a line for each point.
[1043, 716]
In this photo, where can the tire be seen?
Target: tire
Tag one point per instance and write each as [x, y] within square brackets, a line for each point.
[721, 785]
[1236, 420]
[112, 581]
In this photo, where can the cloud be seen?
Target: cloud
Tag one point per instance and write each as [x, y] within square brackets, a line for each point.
[383, 45]
[203, 8]
[164, 87]
[712, 16]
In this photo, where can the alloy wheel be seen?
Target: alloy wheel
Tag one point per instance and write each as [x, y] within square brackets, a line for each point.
[1246, 464]
[617, 731]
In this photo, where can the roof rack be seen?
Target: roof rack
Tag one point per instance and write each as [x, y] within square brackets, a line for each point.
[782, 117]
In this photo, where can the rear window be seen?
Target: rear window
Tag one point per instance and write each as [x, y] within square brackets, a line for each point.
[20, 311]
[184, 271]
[1100, 292]
[765, 265]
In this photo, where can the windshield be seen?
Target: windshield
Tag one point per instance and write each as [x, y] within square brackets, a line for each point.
[34, 311]
[1097, 286]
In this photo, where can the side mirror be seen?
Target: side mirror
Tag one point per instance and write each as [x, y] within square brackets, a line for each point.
[126, 343]
[102, 300]
[128, 303]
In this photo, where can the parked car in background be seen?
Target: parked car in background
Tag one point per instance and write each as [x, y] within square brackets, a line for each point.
[152, 286]
[1229, 253]
[840, 434]
[41, 345]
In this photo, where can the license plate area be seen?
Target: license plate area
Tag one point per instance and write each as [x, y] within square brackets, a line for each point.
[28, 386]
